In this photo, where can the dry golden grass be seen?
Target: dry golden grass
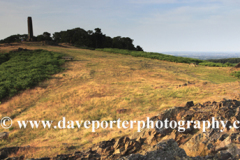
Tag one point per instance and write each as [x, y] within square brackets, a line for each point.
[95, 85]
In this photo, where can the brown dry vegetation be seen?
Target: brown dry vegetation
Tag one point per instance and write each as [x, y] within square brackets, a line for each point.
[95, 85]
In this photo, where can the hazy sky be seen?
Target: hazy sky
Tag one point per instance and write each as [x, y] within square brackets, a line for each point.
[155, 25]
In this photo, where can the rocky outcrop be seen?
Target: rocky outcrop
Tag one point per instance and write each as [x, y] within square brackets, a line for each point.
[186, 141]
[167, 149]
[4, 135]
[5, 152]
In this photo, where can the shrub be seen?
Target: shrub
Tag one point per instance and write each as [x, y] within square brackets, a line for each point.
[236, 74]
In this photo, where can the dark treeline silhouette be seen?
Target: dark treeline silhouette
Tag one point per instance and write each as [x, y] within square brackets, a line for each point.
[14, 38]
[93, 39]
[81, 38]
[44, 37]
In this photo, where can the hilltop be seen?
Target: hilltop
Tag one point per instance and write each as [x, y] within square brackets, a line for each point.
[96, 85]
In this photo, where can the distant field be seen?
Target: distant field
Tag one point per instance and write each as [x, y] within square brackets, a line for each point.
[206, 55]
[95, 85]
[229, 60]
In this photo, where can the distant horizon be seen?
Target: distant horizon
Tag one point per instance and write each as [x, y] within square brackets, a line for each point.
[201, 52]
[204, 55]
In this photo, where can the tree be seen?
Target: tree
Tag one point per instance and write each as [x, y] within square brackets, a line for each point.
[47, 36]
[57, 37]
[107, 42]
[123, 43]
[138, 48]
[92, 39]
[44, 37]
[15, 38]
[127, 43]
[40, 38]
[117, 42]
[98, 38]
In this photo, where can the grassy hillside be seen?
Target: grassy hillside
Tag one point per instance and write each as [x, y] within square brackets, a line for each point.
[95, 85]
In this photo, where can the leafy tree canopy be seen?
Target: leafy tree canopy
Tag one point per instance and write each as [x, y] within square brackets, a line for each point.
[81, 38]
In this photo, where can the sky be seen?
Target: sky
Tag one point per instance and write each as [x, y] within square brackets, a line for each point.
[155, 25]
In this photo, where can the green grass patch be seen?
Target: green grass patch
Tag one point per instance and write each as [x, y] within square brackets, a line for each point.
[236, 74]
[212, 75]
[26, 69]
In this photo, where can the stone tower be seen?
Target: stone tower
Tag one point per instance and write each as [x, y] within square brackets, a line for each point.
[30, 29]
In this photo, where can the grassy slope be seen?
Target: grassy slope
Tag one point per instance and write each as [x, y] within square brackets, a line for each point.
[95, 85]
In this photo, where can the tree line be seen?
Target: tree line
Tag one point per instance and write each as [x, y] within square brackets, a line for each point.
[80, 38]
